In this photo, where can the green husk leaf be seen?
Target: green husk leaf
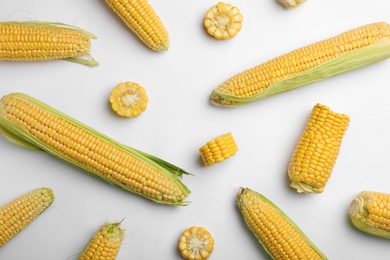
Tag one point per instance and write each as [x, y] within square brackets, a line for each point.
[17, 140]
[303, 187]
[241, 204]
[91, 62]
[22, 137]
[358, 214]
[356, 59]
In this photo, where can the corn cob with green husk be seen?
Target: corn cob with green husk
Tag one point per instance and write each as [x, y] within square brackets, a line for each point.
[33, 124]
[20, 212]
[278, 234]
[350, 50]
[39, 41]
[370, 212]
[105, 243]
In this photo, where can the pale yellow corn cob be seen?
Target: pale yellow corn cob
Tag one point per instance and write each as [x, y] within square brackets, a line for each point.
[33, 124]
[20, 212]
[370, 212]
[38, 41]
[196, 243]
[218, 149]
[349, 50]
[278, 234]
[315, 155]
[105, 243]
[141, 18]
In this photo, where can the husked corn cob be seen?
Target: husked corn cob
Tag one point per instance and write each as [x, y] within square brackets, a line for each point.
[141, 18]
[20, 212]
[196, 243]
[219, 149]
[370, 212]
[35, 125]
[39, 41]
[278, 234]
[105, 244]
[350, 50]
[317, 150]
[291, 3]
[129, 99]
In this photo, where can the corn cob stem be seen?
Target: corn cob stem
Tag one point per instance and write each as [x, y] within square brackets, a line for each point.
[105, 244]
[39, 41]
[348, 51]
[20, 212]
[370, 212]
[33, 124]
[278, 234]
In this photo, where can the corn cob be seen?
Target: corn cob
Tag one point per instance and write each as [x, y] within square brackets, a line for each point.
[278, 234]
[317, 150]
[288, 4]
[223, 21]
[370, 212]
[33, 124]
[39, 41]
[105, 243]
[141, 18]
[219, 149]
[350, 50]
[20, 212]
[129, 99]
[196, 243]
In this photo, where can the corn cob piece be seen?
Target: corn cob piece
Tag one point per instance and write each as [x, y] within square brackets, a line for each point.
[33, 124]
[289, 4]
[223, 21]
[278, 234]
[40, 41]
[315, 155]
[370, 212]
[350, 50]
[129, 99]
[141, 18]
[20, 212]
[196, 243]
[218, 149]
[105, 244]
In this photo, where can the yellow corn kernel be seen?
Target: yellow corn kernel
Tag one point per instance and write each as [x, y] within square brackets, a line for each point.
[218, 149]
[317, 150]
[223, 21]
[291, 3]
[141, 18]
[33, 124]
[350, 50]
[129, 99]
[370, 212]
[39, 41]
[196, 243]
[20, 212]
[278, 234]
[105, 244]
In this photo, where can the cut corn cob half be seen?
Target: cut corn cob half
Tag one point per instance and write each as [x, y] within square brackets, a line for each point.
[317, 150]
[218, 149]
[39, 41]
[129, 99]
[370, 213]
[141, 18]
[16, 215]
[33, 124]
[350, 50]
[196, 243]
[223, 21]
[291, 3]
[278, 234]
[105, 243]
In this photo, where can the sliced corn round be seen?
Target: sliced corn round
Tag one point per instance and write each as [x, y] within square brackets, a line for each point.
[196, 243]
[129, 99]
[223, 21]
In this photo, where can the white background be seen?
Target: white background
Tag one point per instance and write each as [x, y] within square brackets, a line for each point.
[180, 119]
